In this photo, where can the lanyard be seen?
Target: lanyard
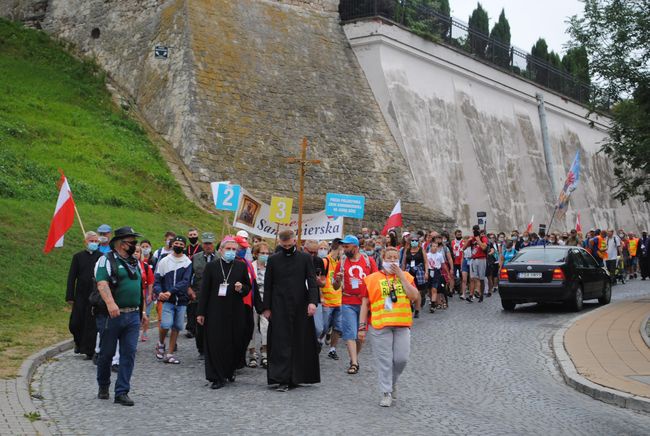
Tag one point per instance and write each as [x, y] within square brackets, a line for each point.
[225, 277]
[196, 248]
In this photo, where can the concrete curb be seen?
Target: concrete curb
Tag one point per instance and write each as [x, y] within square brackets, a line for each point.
[644, 331]
[581, 384]
[24, 379]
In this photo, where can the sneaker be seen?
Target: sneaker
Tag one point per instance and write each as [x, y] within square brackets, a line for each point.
[386, 400]
[432, 309]
[469, 299]
[252, 362]
[282, 387]
[416, 314]
[333, 355]
[115, 367]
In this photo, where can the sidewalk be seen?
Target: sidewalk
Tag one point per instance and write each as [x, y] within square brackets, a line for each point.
[607, 348]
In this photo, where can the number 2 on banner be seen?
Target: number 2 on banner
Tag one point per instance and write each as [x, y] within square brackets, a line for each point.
[281, 210]
[227, 197]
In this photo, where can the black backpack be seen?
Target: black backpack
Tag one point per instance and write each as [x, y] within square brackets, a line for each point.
[95, 299]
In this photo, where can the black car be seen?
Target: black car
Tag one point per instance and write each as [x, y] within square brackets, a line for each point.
[553, 274]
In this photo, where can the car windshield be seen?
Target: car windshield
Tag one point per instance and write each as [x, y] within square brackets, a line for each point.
[547, 255]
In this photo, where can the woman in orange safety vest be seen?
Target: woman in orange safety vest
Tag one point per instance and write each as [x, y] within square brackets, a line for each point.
[390, 294]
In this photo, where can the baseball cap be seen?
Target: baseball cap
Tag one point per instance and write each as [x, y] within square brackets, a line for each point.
[242, 241]
[242, 233]
[207, 237]
[180, 238]
[104, 228]
[406, 234]
[350, 239]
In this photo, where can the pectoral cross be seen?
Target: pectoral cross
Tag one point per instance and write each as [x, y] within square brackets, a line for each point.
[303, 162]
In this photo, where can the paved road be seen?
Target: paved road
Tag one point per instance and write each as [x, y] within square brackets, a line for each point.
[474, 369]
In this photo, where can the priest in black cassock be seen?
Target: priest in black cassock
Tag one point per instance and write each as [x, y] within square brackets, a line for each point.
[80, 285]
[290, 299]
[222, 313]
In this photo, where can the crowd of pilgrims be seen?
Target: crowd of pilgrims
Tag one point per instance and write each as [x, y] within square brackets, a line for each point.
[228, 294]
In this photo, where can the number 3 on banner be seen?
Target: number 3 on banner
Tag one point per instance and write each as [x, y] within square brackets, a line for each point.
[227, 197]
[281, 210]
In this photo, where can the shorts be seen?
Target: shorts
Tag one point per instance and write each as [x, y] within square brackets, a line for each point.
[173, 317]
[332, 318]
[477, 269]
[465, 266]
[436, 280]
[493, 270]
[148, 308]
[632, 262]
[350, 321]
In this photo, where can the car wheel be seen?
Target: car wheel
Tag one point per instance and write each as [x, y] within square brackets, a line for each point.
[508, 306]
[607, 294]
[576, 302]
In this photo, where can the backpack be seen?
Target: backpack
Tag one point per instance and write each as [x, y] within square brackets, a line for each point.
[95, 298]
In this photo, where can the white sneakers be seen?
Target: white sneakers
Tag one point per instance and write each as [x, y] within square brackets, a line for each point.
[386, 400]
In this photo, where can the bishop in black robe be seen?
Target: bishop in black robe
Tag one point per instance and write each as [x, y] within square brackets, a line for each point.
[224, 324]
[289, 287]
[80, 285]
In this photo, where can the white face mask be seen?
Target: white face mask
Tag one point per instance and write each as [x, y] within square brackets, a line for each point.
[103, 239]
[146, 251]
[322, 252]
[387, 266]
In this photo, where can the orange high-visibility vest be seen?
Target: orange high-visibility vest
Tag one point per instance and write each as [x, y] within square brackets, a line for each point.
[331, 297]
[379, 285]
[632, 246]
[602, 247]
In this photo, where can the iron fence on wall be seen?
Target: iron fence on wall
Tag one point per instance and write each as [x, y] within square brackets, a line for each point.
[438, 27]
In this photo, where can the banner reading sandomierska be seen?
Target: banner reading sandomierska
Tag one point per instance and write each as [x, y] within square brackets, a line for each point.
[254, 216]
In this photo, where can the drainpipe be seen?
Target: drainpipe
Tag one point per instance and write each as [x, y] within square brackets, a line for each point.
[548, 153]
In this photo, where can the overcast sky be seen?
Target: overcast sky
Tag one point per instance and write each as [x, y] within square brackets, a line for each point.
[529, 19]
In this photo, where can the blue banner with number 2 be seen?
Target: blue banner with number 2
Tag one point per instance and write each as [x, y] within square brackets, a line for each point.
[227, 197]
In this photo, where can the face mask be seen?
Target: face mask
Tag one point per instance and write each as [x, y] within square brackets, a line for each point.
[444, 240]
[322, 252]
[229, 256]
[103, 239]
[501, 239]
[241, 253]
[366, 236]
[414, 244]
[263, 258]
[169, 242]
[388, 265]
[193, 240]
[458, 238]
[349, 253]
[525, 238]
[377, 247]
[92, 246]
[146, 251]
[177, 249]
[513, 237]
[130, 250]
[561, 242]
[476, 233]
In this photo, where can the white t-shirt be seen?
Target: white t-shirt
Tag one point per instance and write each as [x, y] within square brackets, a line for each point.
[612, 247]
[436, 259]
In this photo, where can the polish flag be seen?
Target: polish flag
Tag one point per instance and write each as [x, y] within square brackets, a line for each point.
[529, 228]
[395, 218]
[63, 216]
[578, 225]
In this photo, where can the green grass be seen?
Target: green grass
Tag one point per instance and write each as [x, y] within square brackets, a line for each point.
[56, 113]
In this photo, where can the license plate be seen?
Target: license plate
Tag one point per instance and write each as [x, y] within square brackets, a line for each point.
[529, 275]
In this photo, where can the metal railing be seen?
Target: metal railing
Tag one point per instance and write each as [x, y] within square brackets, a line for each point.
[438, 27]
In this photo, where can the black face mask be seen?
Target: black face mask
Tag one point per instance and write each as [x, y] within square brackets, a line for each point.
[476, 233]
[130, 250]
[193, 240]
[288, 251]
[349, 253]
[177, 249]
[458, 238]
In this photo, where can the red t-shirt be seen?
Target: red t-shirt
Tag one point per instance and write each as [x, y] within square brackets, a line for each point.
[457, 248]
[477, 251]
[354, 288]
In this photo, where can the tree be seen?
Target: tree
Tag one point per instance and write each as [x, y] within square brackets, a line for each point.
[421, 18]
[499, 47]
[535, 62]
[615, 34]
[479, 28]
[576, 63]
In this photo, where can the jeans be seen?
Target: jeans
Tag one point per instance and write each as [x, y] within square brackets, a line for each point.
[332, 318]
[125, 329]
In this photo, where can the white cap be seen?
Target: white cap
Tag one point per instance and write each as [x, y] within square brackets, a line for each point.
[405, 234]
[243, 234]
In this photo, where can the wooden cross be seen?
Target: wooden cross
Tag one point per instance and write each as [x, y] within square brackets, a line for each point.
[303, 162]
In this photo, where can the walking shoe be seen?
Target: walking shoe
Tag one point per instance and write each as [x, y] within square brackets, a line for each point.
[124, 400]
[386, 400]
[217, 385]
[115, 367]
[103, 393]
[265, 362]
[283, 387]
[416, 314]
[469, 299]
[189, 335]
[432, 309]
[332, 355]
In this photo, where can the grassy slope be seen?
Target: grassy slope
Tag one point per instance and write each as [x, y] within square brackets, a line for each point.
[55, 113]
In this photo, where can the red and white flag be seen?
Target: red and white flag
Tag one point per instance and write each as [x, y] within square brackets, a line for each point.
[529, 227]
[63, 216]
[395, 218]
[578, 225]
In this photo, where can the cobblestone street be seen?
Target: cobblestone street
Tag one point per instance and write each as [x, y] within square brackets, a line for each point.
[474, 369]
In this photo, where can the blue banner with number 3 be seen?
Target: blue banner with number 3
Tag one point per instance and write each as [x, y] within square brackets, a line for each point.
[227, 197]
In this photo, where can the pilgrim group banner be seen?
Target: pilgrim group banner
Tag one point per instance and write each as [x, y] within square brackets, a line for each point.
[254, 216]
